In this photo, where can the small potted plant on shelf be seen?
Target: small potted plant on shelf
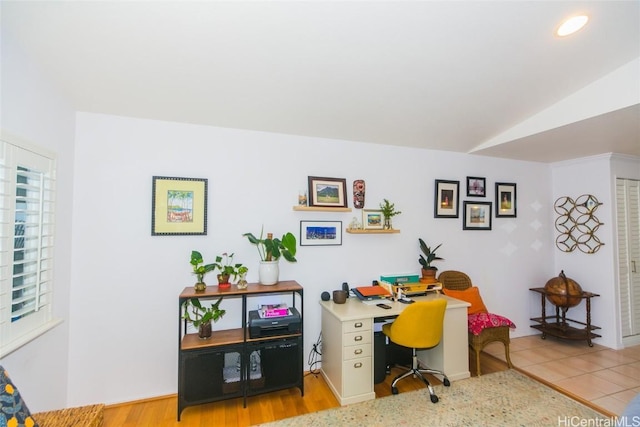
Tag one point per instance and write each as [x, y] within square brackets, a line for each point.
[389, 211]
[242, 273]
[200, 269]
[426, 258]
[201, 316]
[270, 250]
[227, 268]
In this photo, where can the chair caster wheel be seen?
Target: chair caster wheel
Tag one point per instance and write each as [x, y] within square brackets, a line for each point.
[434, 398]
[446, 382]
[394, 390]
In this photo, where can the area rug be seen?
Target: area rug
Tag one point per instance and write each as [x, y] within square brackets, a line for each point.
[506, 398]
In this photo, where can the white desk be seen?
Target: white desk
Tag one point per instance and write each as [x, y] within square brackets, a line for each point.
[347, 345]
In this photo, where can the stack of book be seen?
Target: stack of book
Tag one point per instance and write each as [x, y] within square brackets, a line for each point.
[273, 310]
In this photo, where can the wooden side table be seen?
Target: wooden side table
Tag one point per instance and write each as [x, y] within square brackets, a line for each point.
[560, 326]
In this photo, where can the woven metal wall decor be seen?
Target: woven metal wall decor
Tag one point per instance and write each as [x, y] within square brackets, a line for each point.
[577, 224]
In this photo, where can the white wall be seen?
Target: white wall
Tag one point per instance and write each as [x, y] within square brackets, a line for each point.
[126, 282]
[595, 272]
[32, 111]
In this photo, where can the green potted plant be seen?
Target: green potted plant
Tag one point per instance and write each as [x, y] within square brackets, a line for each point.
[242, 273]
[201, 316]
[200, 269]
[270, 250]
[426, 258]
[389, 211]
[227, 268]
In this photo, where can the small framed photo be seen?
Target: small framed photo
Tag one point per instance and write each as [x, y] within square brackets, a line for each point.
[476, 187]
[178, 206]
[477, 216]
[372, 219]
[320, 233]
[446, 199]
[327, 192]
[505, 200]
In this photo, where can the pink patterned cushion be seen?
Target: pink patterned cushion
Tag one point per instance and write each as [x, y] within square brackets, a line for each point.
[479, 321]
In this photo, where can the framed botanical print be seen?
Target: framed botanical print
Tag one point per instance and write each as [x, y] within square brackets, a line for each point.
[477, 216]
[327, 192]
[506, 202]
[446, 199]
[178, 206]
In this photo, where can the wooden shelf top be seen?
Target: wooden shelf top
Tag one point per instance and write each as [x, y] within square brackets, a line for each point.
[213, 291]
[320, 209]
[361, 231]
[218, 338]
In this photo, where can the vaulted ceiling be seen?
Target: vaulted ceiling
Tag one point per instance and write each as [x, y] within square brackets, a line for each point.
[484, 77]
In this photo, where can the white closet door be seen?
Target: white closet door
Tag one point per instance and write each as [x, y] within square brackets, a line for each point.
[628, 215]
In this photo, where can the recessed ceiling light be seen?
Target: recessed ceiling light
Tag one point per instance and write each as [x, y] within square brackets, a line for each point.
[571, 25]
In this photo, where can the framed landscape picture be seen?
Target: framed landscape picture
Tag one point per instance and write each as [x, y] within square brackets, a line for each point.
[372, 219]
[505, 199]
[178, 206]
[477, 216]
[320, 233]
[446, 199]
[327, 192]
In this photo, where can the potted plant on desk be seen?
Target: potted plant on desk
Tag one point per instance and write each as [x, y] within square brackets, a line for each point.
[270, 250]
[201, 316]
[426, 258]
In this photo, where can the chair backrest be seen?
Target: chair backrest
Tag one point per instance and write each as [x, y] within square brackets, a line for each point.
[454, 280]
[420, 324]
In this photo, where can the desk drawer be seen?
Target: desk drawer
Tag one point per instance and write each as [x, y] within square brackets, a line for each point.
[360, 337]
[357, 377]
[357, 325]
[356, 351]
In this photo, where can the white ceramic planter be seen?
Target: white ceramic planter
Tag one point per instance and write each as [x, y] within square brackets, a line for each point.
[268, 272]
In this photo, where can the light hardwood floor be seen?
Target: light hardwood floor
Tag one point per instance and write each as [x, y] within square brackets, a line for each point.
[599, 377]
[161, 412]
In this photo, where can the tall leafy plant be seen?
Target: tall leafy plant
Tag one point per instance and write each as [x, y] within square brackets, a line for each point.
[271, 249]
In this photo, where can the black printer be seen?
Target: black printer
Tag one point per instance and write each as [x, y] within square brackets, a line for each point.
[260, 327]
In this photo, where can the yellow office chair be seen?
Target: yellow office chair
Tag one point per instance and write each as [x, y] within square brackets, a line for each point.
[419, 326]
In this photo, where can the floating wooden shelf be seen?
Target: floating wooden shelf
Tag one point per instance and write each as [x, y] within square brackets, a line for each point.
[360, 231]
[320, 209]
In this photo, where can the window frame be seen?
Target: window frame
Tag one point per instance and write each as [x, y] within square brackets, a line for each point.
[15, 154]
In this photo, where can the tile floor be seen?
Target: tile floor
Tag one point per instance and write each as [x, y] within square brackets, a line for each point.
[606, 378]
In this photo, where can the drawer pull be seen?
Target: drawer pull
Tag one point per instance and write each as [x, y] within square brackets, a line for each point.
[358, 338]
[358, 351]
[358, 325]
[357, 365]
